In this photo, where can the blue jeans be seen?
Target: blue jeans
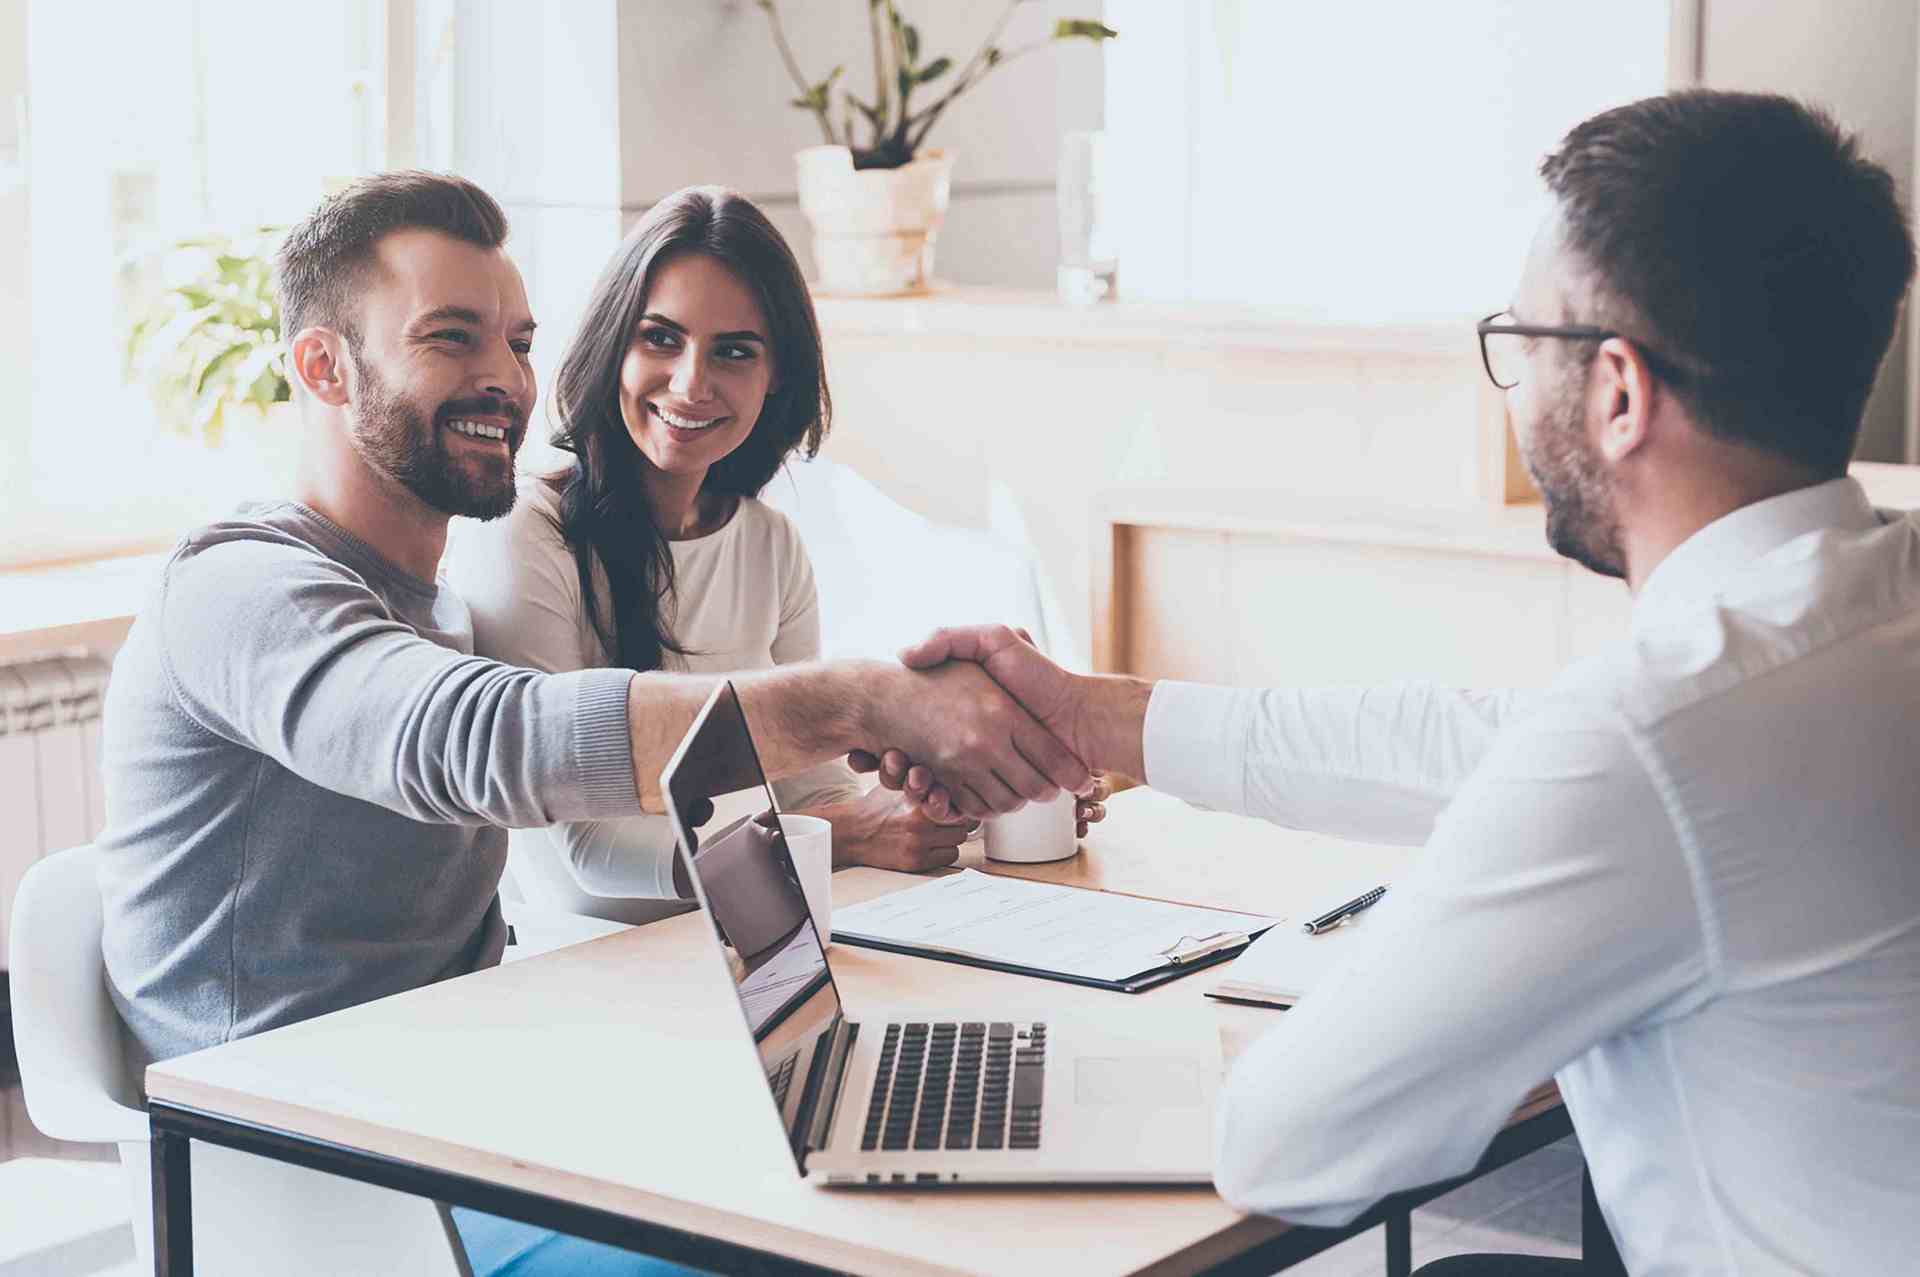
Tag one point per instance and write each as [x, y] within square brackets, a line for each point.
[499, 1247]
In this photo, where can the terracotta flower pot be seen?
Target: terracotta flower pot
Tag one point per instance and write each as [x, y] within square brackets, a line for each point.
[873, 229]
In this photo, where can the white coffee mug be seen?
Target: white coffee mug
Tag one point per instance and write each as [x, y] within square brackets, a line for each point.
[810, 843]
[1037, 832]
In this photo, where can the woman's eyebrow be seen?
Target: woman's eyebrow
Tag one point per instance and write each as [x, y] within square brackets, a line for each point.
[744, 334]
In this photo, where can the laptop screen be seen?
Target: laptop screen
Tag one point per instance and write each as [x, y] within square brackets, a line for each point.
[724, 810]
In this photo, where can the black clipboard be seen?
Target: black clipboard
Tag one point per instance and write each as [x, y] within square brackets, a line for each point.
[1174, 969]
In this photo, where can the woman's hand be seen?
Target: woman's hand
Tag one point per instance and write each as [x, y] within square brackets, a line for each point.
[887, 831]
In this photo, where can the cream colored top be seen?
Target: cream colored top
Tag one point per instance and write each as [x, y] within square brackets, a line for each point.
[744, 599]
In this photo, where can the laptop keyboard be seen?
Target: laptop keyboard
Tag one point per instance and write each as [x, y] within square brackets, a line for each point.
[958, 1086]
[782, 1079]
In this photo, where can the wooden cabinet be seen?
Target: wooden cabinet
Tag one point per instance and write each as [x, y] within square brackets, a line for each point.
[1259, 588]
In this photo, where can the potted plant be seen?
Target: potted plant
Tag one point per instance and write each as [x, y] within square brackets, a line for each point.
[205, 336]
[875, 208]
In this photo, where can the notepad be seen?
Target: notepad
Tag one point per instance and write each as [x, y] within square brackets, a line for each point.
[1044, 929]
[1283, 965]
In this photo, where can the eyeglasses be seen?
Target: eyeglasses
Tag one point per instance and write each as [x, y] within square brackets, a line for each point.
[1504, 354]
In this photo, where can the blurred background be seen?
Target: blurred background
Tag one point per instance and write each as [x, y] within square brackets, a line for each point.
[1366, 163]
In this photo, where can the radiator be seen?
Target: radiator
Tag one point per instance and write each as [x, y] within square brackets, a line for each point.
[50, 792]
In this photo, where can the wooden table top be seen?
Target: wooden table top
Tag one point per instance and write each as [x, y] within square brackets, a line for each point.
[594, 1073]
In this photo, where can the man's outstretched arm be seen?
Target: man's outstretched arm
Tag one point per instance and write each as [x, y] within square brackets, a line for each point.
[955, 722]
[1370, 763]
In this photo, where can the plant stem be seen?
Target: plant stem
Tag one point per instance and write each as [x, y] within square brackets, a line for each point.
[882, 95]
[793, 69]
[975, 69]
[897, 133]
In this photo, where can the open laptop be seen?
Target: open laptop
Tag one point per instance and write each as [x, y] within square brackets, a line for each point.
[966, 1097]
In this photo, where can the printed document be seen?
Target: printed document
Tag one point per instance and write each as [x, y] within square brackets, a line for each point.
[1069, 930]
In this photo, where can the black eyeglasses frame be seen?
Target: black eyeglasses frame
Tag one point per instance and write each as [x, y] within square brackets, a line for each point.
[1664, 368]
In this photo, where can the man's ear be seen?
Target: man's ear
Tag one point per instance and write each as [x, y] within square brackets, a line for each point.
[318, 358]
[1625, 387]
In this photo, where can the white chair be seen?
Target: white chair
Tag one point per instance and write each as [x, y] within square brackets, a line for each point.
[888, 577]
[78, 1072]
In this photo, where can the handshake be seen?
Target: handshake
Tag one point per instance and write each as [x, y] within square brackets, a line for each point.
[976, 721]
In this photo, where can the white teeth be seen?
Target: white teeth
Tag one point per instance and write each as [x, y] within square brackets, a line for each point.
[477, 429]
[679, 422]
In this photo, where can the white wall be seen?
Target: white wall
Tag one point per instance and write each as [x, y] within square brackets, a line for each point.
[579, 117]
[16, 337]
[704, 99]
[1857, 59]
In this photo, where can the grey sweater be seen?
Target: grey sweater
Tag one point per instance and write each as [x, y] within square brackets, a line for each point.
[307, 775]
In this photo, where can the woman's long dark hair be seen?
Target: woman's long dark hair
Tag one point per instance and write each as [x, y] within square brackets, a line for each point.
[603, 504]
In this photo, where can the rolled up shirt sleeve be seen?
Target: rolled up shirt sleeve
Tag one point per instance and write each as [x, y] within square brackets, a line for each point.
[1552, 907]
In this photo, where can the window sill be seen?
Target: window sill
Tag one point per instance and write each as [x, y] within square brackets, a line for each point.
[87, 604]
[998, 316]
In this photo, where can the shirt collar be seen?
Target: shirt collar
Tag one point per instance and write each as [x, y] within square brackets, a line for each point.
[1699, 566]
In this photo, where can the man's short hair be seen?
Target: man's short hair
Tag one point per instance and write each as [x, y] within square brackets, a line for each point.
[1746, 238]
[325, 257]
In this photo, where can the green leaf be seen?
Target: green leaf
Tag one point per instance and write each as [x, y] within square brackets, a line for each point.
[1084, 28]
[911, 35]
[933, 70]
[265, 388]
[994, 55]
[214, 365]
[820, 95]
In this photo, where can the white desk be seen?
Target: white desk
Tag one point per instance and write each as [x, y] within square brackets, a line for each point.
[588, 1084]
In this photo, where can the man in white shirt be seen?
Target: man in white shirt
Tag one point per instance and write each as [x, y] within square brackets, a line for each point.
[1684, 880]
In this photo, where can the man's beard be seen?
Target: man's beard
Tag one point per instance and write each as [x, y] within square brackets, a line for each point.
[397, 440]
[1582, 522]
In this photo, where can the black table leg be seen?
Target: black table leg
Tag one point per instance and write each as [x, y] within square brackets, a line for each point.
[172, 1204]
[1399, 1226]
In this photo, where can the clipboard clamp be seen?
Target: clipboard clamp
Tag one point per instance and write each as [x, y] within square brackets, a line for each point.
[1192, 948]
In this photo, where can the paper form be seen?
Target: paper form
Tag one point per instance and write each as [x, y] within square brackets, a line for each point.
[1070, 930]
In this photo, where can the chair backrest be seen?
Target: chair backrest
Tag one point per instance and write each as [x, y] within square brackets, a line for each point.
[889, 577]
[74, 1063]
[79, 1077]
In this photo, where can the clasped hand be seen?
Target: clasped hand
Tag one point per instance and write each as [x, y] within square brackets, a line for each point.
[987, 728]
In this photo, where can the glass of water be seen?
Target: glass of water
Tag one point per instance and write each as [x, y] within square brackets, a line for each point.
[1087, 267]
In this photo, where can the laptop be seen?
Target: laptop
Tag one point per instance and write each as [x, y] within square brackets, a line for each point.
[967, 1097]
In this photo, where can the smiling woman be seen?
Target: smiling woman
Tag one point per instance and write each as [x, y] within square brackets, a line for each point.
[695, 374]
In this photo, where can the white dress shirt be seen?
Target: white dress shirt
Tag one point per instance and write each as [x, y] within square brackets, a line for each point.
[1684, 881]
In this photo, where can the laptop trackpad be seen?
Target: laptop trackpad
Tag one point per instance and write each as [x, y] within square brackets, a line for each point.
[1156, 1080]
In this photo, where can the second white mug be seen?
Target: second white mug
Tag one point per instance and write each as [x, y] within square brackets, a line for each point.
[1036, 833]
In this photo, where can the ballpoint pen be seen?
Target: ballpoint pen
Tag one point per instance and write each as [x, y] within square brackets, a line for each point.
[1334, 917]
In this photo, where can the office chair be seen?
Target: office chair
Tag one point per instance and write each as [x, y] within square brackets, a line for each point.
[81, 1083]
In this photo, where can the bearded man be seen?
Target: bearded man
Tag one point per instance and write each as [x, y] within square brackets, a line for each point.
[309, 776]
[1684, 880]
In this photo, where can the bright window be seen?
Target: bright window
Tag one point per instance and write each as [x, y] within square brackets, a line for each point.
[205, 114]
[1370, 161]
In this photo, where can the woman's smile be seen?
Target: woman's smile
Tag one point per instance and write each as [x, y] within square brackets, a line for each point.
[690, 422]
